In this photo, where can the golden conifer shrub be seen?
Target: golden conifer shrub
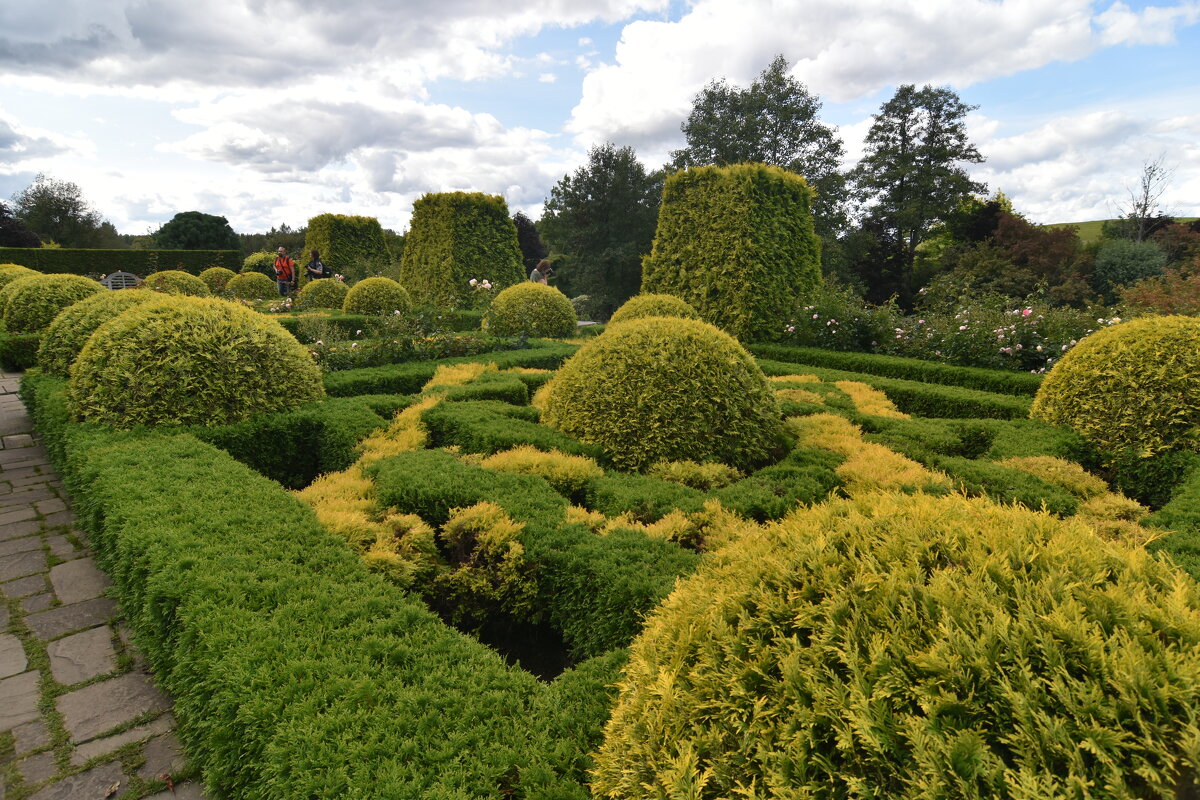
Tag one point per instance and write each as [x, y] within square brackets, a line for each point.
[76, 323]
[531, 309]
[31, 303]
[653, 305]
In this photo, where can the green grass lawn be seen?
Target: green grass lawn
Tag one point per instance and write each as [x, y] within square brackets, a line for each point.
[1089, 231]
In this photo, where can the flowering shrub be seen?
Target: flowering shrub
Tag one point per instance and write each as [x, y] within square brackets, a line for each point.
[482, 293]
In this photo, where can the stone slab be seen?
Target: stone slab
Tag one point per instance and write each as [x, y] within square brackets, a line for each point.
[95, 709]
[99, 783]
[184, 791]
[30, 736]
[25, 544]
[82, 656]
[78, 580]
[19, 529]
[60, 546]
[34, 493]
[38, 768]
[18, 700]
[19, 514]
[18, 440]
[59, 518]
[68, 619]
[50, 505]
[164, 757]
[12, 656]
[37, 602]
[23, 587]
[99, 747]
[22, 564]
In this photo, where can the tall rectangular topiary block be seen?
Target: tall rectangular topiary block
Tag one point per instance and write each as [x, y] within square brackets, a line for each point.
[352, 246]
[454, 237]
[738, 244]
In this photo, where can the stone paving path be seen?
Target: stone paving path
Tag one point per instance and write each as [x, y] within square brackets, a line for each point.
[80, 718]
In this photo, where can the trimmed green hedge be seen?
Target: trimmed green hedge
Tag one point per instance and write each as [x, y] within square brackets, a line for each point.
[737, 243]
[913, 369]
[18, 351]
[353, 246]
[101, 262]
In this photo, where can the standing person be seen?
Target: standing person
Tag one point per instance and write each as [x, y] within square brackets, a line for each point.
[542, 271]
[285, 272]
[315, 268]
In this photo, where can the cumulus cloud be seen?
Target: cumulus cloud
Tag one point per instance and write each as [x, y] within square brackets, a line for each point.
[18, 145]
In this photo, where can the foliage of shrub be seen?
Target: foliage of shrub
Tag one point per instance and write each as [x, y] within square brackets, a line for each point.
[350, 245]
[490, 427]
[1124, 262]
[666, 388]
[737, 244]
[322, 293]
[531, 309]
[189, 361]
[978, 688]
[643, 498]
[251, 286]
[262, 262]
[454, 237]
[772, 492]
[32, 303]
[567, 474]
[1060, 472]
[215, 278]
[10, 272]
[1004, 484]
[174, 281]
[1135, 386]
[18, 351]
[377, 297]
[694, 475]
[75, 324]
[653, 305]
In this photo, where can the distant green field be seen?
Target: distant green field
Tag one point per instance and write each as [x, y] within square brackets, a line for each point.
[1090, 231]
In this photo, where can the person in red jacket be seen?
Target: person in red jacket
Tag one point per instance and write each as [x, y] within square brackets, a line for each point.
[285, 272]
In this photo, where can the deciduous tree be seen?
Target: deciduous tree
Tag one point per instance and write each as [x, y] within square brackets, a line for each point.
[195, 230]
[533, 249]
[13, 232]
[56, 211]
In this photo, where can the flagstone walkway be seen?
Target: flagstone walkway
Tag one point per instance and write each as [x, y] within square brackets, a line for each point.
[80, 717]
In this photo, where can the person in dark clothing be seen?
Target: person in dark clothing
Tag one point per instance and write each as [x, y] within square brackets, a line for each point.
[315, 268]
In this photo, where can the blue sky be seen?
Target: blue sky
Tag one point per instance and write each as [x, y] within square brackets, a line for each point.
[273, 111]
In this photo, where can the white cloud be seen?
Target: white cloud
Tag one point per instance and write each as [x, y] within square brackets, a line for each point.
[547, 77]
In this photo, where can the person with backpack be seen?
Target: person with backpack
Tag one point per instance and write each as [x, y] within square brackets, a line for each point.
[315, 268]
[285, 272]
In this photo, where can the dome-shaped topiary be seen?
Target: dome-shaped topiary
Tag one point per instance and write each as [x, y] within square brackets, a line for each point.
[10, 272]
[215, 278]
[1132, 387]
[176, 281]
[653, 305]
[322, 293]
[31, 303]
[189, 360]
[665, 388]
[75, 324]
[914, 646]
[262, 263]
[531, 309]
[251, 286]
[377, 296]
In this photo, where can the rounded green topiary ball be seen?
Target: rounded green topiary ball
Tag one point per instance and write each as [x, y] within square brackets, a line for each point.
[918, 647]
[251, 286]
[653, 305]
[215, 278]
[262, 263]
[322, 293]
[176, 281]
[32, 303]
[192, 361]
[1132, 387]
[10, 272]
[665, 388]
[378, 297]
[531, 309]
[75, 324]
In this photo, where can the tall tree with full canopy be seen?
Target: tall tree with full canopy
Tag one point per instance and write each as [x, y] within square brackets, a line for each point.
[911, 178]
[603, 218]
[533, 249]
[774, 121]
[13, 232]
[57, 212]
[195, 230]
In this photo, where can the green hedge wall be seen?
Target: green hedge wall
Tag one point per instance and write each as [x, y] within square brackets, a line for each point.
[102, 262]
[352, 246]
[18, 351]
[454, 237]
[737, 243]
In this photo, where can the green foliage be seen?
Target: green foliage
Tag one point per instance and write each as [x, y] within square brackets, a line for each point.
[30, 304]
[195, 230]
[215, 278]
[351, 246]
[653, 305]
[646, 499]
[666, 388]
[57, 212]
[262, 262]
[13, 232]
[10, 272]
[251, 286]
[173, 281]
[533, 249]
[531, 309]
[1123, 262]
[772, 492]
[918, 647]
[189, 361]
[1006, 485]
[490, 426]
[71, 329]
[454, 237]
[1134, 386]
[322, 293]
[94, 262]
[376, 296]
[694, 475]
[737, 243]
[18, 351]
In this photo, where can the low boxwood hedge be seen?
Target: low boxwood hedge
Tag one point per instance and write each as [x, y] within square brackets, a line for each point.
[18, 351]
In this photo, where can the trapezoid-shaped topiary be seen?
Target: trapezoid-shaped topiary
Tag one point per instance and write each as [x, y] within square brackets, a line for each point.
[666, 388]
[191, 361]
[918, 647]
[69, 332]
[454, 237]
[31, 303]
[653, 305]
[350, 245]
[176, 281]
[1133, 387]
[377, 297]
[531, 309]
[737, 243]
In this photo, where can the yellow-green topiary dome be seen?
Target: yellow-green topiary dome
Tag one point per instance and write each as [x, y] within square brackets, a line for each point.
[189, 360]
[653, 305]
[907, 646]
[378, 297]
[322, 293]
[665, 388]
[215, 278]
[176, 281]
[75, 324]
[251, 286]
[1134, 386]
[32, 302]
[531, 309]
[10, 272]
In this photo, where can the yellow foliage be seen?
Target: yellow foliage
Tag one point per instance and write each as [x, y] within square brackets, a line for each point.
[483, 528]
[593, 520]
[870, 400]
[704, 477]
[568, 474]
[456, 374]
[799, 396]
[404, 433]
[707, 530]
[1067, 474]
[794, 379]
